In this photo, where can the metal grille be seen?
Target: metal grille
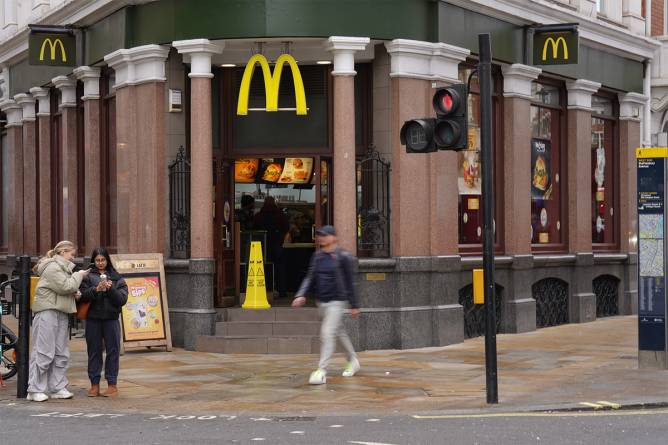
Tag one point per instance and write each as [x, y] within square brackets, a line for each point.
[373, 205]
[179, 205]
[606, 289]
[474, 314]
[551, 295]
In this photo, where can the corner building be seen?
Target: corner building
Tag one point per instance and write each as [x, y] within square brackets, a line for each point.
[144, 146]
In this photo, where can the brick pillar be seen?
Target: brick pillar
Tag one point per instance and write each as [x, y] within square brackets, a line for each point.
[520, 306]
[43, 196]
[15, 140]
[30, 179]
[92, 156]
[344, 177]
[69, 165]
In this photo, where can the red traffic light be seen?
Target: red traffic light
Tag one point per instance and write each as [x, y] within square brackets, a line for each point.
[446, 101]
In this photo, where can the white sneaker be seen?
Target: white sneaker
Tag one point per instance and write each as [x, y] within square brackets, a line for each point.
[37, 397]
[318, 377]
[351, 368]
[62, 394]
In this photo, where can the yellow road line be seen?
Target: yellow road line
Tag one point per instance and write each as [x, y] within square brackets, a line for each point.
[610, 404]
[592, 405]
[547, 414]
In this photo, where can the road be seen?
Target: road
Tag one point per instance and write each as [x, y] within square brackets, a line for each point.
[53, 423]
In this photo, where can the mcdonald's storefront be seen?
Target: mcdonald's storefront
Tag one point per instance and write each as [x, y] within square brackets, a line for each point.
[194, 128]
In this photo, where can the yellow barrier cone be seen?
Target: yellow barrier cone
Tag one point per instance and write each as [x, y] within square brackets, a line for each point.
[256, 291]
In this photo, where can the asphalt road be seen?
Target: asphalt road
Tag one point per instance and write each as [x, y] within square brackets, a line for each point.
[52, 423]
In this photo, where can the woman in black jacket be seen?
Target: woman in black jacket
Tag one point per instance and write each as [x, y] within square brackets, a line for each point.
[107, 292]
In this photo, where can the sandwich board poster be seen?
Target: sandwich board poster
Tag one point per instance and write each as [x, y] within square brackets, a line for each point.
[145, 317]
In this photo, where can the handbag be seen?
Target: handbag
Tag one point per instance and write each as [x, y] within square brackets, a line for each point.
[82, 310]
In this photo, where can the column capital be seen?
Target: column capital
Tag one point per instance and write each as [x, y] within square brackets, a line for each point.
[13, 111]
[445, 62]
[43, 96]
[425, 60]
[68, 91]
[200, 52]
[138, 65]
[27, 103]
[630, 105]
[580, 92]
[517, 80]
[344, 49]
[91, 80]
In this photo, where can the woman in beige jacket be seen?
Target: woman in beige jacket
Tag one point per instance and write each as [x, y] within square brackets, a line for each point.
[54, 301]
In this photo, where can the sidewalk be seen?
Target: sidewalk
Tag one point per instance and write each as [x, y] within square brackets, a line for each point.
[556, 367]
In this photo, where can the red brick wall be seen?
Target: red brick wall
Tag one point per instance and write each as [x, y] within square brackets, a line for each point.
[657, 17]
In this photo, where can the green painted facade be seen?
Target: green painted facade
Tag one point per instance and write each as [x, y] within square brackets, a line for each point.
[164, 21]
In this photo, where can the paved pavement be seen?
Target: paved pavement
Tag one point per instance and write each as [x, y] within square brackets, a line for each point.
[552, 368]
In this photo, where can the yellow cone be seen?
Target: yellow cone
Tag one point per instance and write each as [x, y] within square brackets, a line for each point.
[256, 291]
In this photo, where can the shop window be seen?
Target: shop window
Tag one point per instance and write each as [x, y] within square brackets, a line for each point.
[546, 182]
[470, 169]
[266, 131]
[108, 157]
[604, 165]
[4, 198]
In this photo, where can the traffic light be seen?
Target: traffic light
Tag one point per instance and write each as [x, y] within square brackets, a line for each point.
[449, 131]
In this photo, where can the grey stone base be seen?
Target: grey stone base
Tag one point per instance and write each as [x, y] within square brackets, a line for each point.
[583, 308]
[520, 316]
[652, 359]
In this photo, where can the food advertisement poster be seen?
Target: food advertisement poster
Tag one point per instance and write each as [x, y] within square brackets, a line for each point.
[469, 165]
[541, 171]
[142, 316]
[270, 170]
[296, 171]
[245, 170]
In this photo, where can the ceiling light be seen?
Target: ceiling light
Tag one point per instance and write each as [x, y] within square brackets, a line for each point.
[324, 62]
[228, 65]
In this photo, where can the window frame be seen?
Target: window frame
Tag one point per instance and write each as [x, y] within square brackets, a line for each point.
[3, 135]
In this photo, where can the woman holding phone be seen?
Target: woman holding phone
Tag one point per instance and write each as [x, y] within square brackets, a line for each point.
[107, 293]
[55, 297]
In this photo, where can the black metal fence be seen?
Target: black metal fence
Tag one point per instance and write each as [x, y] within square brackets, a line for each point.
[373, 205]
[475, 315]
[606, 289]
[551, 295]
[179, 205]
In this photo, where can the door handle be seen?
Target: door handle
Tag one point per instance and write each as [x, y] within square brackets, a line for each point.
[226, 233]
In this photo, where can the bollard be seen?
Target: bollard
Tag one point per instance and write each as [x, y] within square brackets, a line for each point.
[23, 346]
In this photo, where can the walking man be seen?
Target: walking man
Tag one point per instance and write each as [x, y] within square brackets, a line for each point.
[330, 278]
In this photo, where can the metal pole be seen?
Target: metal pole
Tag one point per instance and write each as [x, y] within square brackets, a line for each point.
[22, 349]
[485, 79]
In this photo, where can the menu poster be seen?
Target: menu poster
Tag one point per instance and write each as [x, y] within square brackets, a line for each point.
[541, 183]
[245, 170]
[296, 171]
[270, 170]
[143, 314]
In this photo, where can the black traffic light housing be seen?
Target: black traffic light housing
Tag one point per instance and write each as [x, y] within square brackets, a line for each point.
[449, 131]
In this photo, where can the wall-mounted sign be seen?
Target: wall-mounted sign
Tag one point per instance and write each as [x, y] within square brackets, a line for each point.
[272, 82]
[556, 45]
[52, 49]
[145, 317]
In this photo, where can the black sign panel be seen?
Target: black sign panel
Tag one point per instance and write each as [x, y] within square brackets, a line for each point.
[52, 49]
[651, 252]
[555, 48]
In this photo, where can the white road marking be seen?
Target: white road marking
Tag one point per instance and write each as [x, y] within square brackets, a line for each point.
[296, 432]
[369, 443]
[258, 439]
[336, 426]
[373, 420]
[260, 419]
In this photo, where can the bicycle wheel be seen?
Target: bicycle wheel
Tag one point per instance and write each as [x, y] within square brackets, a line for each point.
[8, 368]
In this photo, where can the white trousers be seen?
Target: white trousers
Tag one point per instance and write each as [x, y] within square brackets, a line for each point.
[331, 329]
[50, 354]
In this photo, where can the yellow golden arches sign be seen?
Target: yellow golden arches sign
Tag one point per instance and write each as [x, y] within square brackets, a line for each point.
[53, 46]
[550, 41]
[272, 82]
[52, 49]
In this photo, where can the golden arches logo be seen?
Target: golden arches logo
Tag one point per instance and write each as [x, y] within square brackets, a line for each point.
[272, 83]
[53, 46]
[555, 47]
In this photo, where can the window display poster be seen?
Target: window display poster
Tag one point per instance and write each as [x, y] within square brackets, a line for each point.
[143, 315]
[541, 171]
[469, 173]
[296, 171]
[245, 170]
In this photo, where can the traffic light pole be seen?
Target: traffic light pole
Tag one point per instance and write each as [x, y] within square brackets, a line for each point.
[485, 80]
[24, 328]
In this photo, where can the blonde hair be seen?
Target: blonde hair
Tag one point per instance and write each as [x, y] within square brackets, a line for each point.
[60, 248]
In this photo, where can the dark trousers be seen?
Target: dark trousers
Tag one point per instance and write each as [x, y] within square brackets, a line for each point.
[97, 332]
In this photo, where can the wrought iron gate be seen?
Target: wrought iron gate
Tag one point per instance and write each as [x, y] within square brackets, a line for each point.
[606, 289]
[373, 205]
[179, 205]
[551, 295]
[474, 314]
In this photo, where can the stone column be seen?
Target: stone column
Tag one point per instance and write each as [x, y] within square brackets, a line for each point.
[520, 306]
[630, 111]
[43, 196]
[345, 183]
[69, 167]
[30, 177]
[92, 157]
[14, 126]
[582, 299]
[201, 319]
[140, 157]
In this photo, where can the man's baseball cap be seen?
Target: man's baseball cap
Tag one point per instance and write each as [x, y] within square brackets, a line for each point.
[326, 230]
